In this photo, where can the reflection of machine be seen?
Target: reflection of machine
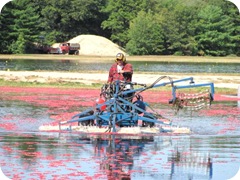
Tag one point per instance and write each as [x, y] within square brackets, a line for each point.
[124, 157]
[117, 154]
[122, 105]
[197, 163]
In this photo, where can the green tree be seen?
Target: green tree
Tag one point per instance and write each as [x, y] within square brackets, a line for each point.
[6, 20]
[214, 32]
[64, 19]
[19, 46]
[182, 27]
[121, 12]
[232, 12]
[26, 24]
[145, 35]
[178, 27]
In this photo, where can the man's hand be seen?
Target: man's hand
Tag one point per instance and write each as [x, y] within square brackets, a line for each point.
[121, 71]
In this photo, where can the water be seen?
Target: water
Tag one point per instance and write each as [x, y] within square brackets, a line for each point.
[74, 156]
[78, 66]
[212, 151]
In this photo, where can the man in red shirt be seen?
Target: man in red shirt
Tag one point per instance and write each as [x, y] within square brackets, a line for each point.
[121, 70]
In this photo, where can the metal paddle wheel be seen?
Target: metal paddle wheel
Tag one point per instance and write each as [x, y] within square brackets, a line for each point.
[121, 105]
[194, 100]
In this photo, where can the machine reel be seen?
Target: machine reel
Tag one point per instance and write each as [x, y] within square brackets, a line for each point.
[193, 101]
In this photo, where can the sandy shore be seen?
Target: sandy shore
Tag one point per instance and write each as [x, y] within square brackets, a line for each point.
[90, 78]
[227, 81]
[94, 58]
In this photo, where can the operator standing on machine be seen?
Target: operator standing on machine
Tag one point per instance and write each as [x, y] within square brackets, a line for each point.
[121, 70]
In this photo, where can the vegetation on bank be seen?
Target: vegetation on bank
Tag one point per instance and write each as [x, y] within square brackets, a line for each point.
[130, 58]
[55, 84]
[74, 85]
[142, 27]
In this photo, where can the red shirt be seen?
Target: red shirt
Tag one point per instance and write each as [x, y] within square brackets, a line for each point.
[114, 75]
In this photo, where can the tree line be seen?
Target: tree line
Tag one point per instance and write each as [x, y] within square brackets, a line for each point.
[141, 27]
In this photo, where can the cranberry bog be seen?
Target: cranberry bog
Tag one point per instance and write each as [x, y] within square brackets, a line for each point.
[51, 105]
[27, 153]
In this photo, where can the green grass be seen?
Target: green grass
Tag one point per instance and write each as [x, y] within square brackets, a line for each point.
[58, 85]
[226, 91]
[98, 86]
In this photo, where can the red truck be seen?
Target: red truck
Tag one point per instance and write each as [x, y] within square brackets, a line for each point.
[65, 48]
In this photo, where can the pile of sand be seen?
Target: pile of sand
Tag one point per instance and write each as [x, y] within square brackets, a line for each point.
[96, 45]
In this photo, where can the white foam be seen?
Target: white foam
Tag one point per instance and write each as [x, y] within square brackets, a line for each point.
[119, 130]
[2, 176]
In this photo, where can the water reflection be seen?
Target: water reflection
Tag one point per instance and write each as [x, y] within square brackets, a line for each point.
[118, 155]
[142, 66]
[193, 165]
[82, 156]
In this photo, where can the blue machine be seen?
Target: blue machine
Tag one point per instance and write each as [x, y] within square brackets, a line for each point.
[117, 107]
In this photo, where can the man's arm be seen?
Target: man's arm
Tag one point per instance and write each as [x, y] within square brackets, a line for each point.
[127, 69]
[127, 72]
[110, 74]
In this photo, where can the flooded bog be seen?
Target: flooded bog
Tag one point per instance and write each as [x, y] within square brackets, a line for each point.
[211, 151]
[78, 156]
